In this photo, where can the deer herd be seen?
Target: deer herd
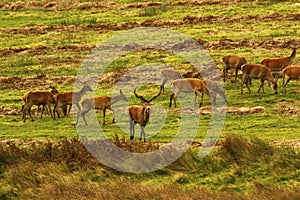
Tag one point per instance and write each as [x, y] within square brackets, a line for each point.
[267, 70]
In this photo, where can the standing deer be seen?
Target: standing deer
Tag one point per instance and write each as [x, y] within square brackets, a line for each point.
[102, 102]
[278, 64]
[233, 61]
[195, 85]
[140, 114]
[69, 98]
[289, 73]
[44, 98]
[260, 72]
[44, 105]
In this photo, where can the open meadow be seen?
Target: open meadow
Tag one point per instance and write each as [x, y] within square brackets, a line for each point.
[44, 43]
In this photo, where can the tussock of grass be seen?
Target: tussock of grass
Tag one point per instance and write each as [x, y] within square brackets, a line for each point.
[66, 169]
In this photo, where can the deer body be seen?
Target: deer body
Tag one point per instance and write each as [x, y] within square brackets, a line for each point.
[290, 73]
[44, 98]
[69, 98]
[100, 103]
[258, 71]
[233, 61]
[25, 96]
[195, 85]
[140, 114]
[278, 64]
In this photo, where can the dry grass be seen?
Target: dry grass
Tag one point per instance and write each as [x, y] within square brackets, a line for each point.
[66, 170]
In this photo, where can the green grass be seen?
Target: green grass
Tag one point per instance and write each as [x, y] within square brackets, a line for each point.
[58, 41]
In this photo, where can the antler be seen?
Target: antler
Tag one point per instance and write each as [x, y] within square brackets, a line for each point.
[145, 100]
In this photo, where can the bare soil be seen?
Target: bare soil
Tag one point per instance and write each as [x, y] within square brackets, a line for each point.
[39, 82]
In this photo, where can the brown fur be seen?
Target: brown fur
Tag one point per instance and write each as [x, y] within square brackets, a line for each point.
[233, 62]
[278, 64]
[36, 98]
[290, 73]
[195, 85]
[100, 103]
[257, 71]
[69, 98]
[140, 114]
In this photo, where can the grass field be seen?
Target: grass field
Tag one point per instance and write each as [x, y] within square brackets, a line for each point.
[44, 43]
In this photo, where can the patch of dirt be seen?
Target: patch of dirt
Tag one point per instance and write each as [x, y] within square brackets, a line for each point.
[72, 5]
[289, 143]
[9, 111]
[33, 30]
[232, 110]
[285, 108]
[40, 50]
[268, 43]
[39, 82]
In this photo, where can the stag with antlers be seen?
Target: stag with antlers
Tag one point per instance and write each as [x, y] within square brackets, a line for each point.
[140, 114]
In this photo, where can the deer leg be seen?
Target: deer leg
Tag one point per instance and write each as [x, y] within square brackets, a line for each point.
[200, 104]
[55, 110]
[24, 110]
[236, 74]
[225, 73]
[163, 84]
[43, 108]
[83, 113]
[171, 98]
[243, 82]
[143, 133]
[285, 82]
[195, 100]
[49, 108]
[131, 129]
[247, 80]
[29, 113]
[113, 113]
[261, 86]
[104, 111]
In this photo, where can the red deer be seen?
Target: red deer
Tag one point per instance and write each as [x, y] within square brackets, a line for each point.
[69, 98]
[140, 114]
[195, 85]
[290, 73]
[278, 64]
[233, 61]
[44, 98]
[102, 102]
[257, 71]
[53, 91]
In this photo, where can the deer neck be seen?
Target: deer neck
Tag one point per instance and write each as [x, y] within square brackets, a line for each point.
[82, 92]
[115, 99]
[292, 56]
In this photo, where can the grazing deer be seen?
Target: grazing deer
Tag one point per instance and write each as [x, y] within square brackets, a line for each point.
[140, 114]
[233, 61]
[69, 98]
[289, 73]
[257, 71]
[169, 74]
[214, 88]
[278, 64]
[195, 85]
[102, 102]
